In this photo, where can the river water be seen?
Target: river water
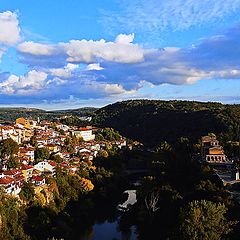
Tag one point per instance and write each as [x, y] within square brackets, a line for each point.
[108, 231]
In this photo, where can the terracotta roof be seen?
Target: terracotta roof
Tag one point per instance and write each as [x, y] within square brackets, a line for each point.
[38, 178]
[25, 167]
[52, 163]
[6, 180]
[11, 172]
[84, 129]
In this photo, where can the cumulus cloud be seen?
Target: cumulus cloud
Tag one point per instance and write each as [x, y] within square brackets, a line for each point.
[125, 39]
[37, 49]
[94, 66]
[23, 85]
[9, 28]
[122, 50]
[64, 72]
[85, 51]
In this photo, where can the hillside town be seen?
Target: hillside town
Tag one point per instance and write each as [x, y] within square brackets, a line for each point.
[43, 147]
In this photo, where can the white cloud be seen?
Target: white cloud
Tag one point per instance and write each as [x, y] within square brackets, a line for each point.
[64, 72]
[114, 89]
[94, 66]
[22, 85]
[56, 81]
[38, 49]
[124, 39]
[9, 28]
[89, 51]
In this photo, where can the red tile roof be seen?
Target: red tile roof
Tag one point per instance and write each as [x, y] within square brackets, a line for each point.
[25, 167]
[52, 163]
[6, 180]
[38, 178]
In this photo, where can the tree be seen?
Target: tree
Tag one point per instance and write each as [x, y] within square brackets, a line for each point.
[8, 148]
[204, 220]
[12, 162]
[42, 153]
[110, 134]
[12, 218]
[27, 192]
[86, 185]
[164, 147]
[33, 141]
[102, 154]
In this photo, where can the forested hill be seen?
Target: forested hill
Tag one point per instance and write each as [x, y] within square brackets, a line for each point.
[152, 121]
[8, 115]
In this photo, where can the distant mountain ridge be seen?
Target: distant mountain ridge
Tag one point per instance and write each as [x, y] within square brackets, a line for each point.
[152, 121]
[9, 114]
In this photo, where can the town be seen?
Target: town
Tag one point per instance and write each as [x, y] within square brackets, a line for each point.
[32, 150]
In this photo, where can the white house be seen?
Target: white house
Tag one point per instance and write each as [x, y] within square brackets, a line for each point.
[85, 134]
[46, 166]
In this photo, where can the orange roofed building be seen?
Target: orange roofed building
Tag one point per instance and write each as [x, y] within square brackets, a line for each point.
[23, 122]
[211, 151]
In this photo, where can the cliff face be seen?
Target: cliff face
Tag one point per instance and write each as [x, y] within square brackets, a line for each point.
[45, 194]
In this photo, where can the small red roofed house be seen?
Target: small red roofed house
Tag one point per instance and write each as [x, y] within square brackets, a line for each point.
[16, 175]
[8, 184]
[27, 153]
[12, 181]
[38, 180]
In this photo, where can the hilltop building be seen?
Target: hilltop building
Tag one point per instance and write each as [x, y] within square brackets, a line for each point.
[211, 151]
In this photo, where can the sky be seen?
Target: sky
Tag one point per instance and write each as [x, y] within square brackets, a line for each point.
[60, 54]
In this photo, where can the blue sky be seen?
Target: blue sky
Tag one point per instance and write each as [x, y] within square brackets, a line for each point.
[67, 54]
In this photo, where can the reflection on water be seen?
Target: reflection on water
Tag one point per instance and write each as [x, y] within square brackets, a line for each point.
[108, 231]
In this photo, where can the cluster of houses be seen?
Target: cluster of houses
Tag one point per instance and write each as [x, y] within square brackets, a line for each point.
[51, 136]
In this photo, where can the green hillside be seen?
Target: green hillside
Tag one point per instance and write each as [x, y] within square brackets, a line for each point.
[152, 121]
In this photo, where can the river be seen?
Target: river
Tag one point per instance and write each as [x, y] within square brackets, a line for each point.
[109, 230]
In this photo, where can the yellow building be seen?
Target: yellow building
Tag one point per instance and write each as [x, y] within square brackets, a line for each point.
[52, 147]
[23, 122]
[27, 171]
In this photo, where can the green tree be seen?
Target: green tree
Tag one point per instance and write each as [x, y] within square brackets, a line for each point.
[102, 154]
[27, 192]
[8, 148]
[164, 147]
[12, 218]
[110, 134]
[12, 162]
[33, 141]
[42, 153]
[61, 131]
[204, 220]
